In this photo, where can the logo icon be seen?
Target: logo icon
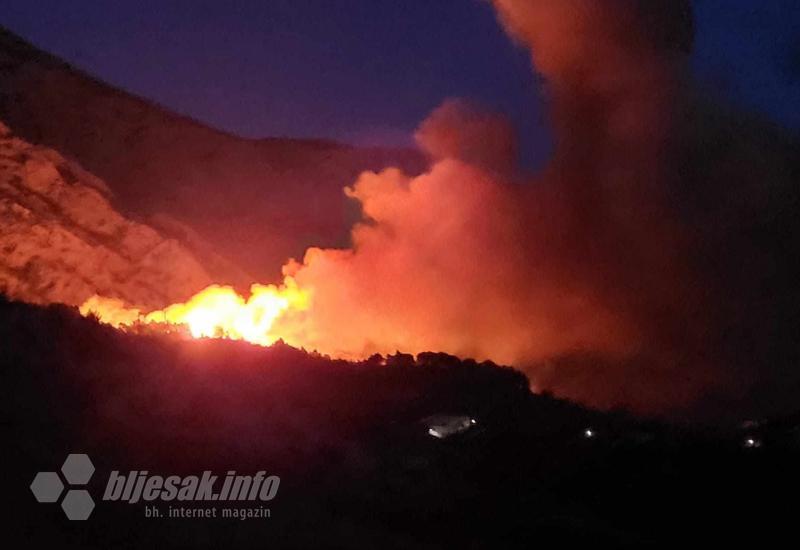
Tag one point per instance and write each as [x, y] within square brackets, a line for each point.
[77, 470]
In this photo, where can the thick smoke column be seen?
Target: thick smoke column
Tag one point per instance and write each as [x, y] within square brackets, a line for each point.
[652, 265]
[616, 72]
[682, 212]
[582, 261]
[437, 265]
[608, 278]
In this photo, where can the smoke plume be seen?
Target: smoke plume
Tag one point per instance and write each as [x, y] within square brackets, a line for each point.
[645, 267]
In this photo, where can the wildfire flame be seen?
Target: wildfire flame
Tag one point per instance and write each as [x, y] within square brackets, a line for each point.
[215, 312]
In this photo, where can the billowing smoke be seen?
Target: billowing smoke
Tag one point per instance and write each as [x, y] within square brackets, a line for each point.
[438, 265]
[645, 267]
[464, 131]
[651, 265]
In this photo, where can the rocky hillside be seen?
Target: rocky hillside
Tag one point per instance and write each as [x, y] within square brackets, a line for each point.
[62, 241]
[256, 202]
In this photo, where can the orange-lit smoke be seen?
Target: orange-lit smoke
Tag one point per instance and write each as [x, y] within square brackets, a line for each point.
[607, 278]
[435, 265]
[464, 259]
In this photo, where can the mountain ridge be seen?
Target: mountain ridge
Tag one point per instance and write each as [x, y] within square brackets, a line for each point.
[257, 202]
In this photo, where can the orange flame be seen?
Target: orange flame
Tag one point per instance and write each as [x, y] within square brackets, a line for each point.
[215, 312]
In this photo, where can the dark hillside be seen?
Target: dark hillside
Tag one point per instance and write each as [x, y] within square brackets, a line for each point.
[358, 469]
[256, 202]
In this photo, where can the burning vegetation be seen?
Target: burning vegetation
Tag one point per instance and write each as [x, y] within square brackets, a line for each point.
[606, 278]
[215, 312]
[649, 265]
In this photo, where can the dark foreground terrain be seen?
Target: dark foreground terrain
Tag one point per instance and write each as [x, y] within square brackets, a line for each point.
[357, 467]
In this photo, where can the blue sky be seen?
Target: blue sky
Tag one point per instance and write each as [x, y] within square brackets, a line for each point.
[369, 71]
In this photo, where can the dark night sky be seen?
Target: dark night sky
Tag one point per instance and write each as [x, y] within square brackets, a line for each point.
[369, 71]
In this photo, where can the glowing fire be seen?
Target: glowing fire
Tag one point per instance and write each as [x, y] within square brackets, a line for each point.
[215, 312]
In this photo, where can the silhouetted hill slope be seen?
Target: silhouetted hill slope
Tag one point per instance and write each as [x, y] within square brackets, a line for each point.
[357, 467]
[256, 201]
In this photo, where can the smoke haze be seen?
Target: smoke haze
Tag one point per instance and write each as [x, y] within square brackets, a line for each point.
[615, 276]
